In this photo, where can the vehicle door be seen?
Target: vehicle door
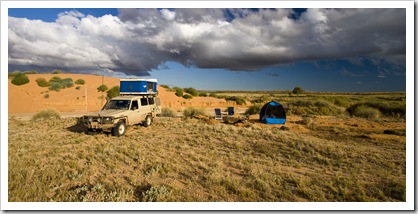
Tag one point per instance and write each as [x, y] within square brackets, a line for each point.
[134, 113]
[144, 108]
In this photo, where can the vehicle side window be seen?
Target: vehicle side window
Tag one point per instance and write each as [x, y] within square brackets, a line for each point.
[144, 101]
[134, 105]
[151, 101]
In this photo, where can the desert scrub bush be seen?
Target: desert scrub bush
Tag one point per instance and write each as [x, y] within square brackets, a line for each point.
[192, 91]
[155, 194]
[298, 90]
[393, 109]
[55, 79]
[20, 79]
[80, 82]
[192, 111]
[77, 88]
[45, 115]
[366, 112]
[13, 74]
[238, 100]
[203, 94]
[46, 96]
[31, 72]
[42, 82]
[102, 88]
[166, 87]
[342, 101]
[309, 107]
[168, 112]
[254, 109]
[179, 91]
[262, 99]
[56, 71]
[187, 96]
[67, 82]
[113, 92]
[56, 86]
[56, 83]
[214, 95]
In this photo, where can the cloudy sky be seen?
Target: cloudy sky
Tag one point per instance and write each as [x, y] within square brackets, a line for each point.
[346, 50]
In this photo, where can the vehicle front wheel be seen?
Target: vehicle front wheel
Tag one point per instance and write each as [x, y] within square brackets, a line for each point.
[119, 129]
[147, 121]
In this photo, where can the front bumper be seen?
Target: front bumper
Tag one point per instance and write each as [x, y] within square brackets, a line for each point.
[95, 122]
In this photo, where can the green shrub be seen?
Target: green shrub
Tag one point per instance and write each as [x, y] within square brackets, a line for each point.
[67, 82]
[113, 92]
[80, 82]
[56, 83]
[192, 111]
[55, 80]
[262, 99]
[342, 101]
[254, 109]
[155, 194]
[42, 82]
[298, 90]
[192, 91]
[14, 73]
[168, 112]
[309, 107]
[237, 100]
[165, 86]
[56, 71]
[187, 96]
[391, 109]
[203, 94]
[366, 112]
[31, 72]
[46, 96]
[78, 87]
[214, 95]
[20, 79]
[55, 86]
[45, 115]
[102, 88]
[179, 91]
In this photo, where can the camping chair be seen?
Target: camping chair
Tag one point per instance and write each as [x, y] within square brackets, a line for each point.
[230, 111]
[218, 114]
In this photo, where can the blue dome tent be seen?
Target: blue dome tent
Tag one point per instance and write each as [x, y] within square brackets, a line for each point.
[273, 113]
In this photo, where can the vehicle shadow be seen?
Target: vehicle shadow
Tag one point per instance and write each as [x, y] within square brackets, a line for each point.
[78, 127]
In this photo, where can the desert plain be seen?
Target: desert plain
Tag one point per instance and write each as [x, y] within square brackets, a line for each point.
[322, 153]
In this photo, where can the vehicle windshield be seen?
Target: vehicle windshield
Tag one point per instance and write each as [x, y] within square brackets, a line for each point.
[118, 104]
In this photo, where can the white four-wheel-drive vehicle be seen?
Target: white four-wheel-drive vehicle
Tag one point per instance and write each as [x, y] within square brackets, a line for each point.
[137, 104]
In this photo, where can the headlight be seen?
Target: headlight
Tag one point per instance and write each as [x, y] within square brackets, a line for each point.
[98, 120]
[107, 120]
[90, 119]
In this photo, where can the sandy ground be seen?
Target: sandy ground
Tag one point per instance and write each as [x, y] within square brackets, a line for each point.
[27, 99]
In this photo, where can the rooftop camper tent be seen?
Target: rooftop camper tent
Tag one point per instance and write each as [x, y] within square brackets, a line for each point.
[137, 86]
[273, 113]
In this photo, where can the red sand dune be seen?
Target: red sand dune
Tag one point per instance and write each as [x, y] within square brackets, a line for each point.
[30, 98]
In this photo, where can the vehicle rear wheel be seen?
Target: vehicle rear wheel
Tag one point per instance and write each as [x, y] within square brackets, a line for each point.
[119, 129]
[147, 121]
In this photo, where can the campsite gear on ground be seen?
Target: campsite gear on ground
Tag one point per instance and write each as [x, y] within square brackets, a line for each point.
[231, 111]
[218, 114]
[273, 113]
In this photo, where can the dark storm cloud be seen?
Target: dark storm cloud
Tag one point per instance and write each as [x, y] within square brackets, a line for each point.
[140, 40]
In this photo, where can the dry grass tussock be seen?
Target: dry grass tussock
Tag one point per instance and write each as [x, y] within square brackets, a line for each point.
[189, 160]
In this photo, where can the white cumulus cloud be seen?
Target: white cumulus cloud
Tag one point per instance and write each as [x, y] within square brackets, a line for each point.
[140, 40]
